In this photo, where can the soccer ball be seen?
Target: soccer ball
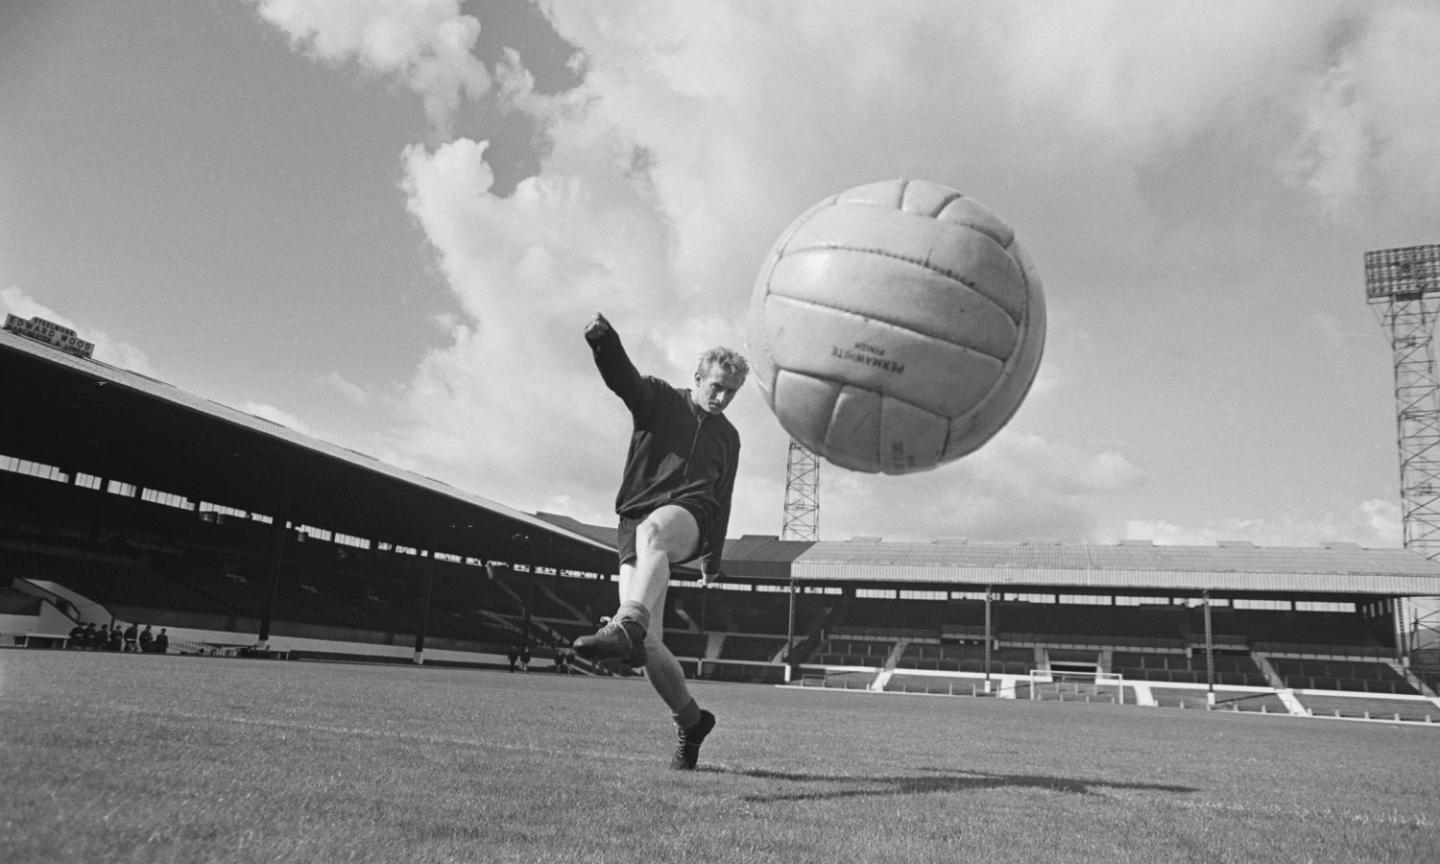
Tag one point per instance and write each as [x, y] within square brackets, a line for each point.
[896, 326]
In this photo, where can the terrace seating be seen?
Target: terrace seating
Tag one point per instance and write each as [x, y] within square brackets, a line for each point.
[1230, 669]
[942, 657]
[1426, 666]
[1012, 660]
[851, 652]
[1353, 675]
[760, 649]
[171, 560]
[534, 593]
[590, 599]
[16, 603]
[1342, 630]
[571, 630]
[1083, 623]
[903, 615]
[744, 612]
[121, 581]
[683, 643]
[956, 657]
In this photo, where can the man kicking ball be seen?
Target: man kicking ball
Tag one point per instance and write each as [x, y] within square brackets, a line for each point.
[674, 507]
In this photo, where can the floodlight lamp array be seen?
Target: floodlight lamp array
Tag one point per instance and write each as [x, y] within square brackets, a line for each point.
[1406, 273]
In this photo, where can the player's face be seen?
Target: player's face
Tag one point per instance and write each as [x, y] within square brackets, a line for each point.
[715, 388]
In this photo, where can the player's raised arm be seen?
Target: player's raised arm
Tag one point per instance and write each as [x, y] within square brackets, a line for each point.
[614, 364]
[597, 329]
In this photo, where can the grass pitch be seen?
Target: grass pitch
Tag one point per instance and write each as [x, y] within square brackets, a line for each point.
[130, 758]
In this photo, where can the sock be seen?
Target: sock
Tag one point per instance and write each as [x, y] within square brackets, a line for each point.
[633, 611]
[688, 716]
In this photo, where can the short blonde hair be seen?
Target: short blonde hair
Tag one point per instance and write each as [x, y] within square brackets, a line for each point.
[732, 361]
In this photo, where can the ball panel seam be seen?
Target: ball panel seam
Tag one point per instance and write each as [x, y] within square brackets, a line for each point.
[869, 315]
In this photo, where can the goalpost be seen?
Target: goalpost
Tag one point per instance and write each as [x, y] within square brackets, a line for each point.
[1075, 686]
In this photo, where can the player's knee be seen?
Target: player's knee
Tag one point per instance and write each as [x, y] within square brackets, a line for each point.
[650, 535]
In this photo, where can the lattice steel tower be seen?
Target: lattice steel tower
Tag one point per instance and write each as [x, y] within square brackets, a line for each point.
[802, 522]
[1403, 287]
[802, 494]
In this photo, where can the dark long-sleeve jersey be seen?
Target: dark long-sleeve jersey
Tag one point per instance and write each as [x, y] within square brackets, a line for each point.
[679, 453]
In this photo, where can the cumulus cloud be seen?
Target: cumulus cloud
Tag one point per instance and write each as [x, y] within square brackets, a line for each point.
[699, 131]
[280, 417]
[1335, 92]
[1375, 523]
[1146, 76]
[351, 391]
[427, 44]
[1330, 156]
[1020, 486]
[108, 349]
[514, 375]
[1366, 111]
[1383, 521]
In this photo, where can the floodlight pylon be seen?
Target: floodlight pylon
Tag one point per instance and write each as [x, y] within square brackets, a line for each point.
[802, 494]
[1403, 287]
[801, 521]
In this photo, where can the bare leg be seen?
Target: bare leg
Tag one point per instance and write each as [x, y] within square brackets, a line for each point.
[669, 534]
[661, 667]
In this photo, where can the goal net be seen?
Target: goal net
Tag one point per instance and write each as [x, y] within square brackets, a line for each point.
[1072, 686]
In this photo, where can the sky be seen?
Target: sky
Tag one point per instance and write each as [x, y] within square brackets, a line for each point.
[385, 225]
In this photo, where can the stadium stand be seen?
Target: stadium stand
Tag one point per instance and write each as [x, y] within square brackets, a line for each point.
[1425, 665]
[126, 527]
[13, 602]
[852, 652]
[179, 566]
[1352, 675]
[757, 649]
[1230, 669]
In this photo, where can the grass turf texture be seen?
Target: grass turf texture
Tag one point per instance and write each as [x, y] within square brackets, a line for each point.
[109, 758]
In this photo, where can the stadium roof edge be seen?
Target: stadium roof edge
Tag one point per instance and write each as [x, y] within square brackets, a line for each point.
[1335, 569]
[79, 422]
[18, 349]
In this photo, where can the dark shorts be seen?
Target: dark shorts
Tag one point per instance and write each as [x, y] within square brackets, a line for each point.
[626, 540]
